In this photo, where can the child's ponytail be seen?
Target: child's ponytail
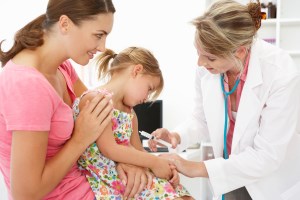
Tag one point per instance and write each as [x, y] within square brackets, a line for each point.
[103, 62]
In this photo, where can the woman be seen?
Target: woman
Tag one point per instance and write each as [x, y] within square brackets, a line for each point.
[39, 144]
[247, 105]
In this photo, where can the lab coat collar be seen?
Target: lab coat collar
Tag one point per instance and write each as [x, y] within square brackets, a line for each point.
[213, 104]
[249, 101]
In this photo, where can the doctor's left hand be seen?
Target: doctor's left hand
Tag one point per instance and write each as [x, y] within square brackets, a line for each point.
[188, 168]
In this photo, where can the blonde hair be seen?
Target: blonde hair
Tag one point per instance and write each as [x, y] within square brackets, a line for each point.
[127, 57]
[226, 26]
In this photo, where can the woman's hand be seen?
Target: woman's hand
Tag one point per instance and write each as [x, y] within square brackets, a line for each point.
[175, 180]
[185, 167]
[134, 178]
[92, 119]
[161, 168]
[165, 135]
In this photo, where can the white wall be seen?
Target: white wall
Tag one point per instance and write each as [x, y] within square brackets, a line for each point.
[161, 26]
[164, 28]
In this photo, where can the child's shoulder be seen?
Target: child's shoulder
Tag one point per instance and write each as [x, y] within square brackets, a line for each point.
[89, 95]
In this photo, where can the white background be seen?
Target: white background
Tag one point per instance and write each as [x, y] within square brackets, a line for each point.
[161, 26]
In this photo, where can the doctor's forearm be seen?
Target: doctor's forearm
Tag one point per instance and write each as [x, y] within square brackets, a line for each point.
[192, 169]
[202, 170]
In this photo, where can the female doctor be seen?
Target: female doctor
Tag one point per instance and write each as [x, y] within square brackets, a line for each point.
[247, 105]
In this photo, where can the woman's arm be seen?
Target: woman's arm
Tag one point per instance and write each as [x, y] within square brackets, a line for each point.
[32, 176]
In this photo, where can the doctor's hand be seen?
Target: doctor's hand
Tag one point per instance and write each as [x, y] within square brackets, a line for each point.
[161, 168]
[165, 135]
[188, 168]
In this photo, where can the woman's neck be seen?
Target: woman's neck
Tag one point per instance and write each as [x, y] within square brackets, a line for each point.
[236, 71]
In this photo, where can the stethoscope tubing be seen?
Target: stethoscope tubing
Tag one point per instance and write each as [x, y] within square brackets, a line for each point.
[226, 95]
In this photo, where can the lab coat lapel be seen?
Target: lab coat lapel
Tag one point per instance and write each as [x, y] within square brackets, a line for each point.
[213, 105]
[249, 101]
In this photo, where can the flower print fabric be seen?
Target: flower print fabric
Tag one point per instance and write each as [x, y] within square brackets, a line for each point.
[101, 172]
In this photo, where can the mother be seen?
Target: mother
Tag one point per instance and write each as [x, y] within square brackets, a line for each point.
[39, 144]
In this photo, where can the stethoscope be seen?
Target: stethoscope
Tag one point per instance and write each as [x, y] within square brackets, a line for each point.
[226, 95]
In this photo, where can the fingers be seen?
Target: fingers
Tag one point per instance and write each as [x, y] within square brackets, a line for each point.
[90, 105]
[152, 145]
[174, 141]
[149, 179]
[142, 184]
[135, 186]
[102, 110]
[175, 176]
[129, 186]
[158, 133]
[122, 174]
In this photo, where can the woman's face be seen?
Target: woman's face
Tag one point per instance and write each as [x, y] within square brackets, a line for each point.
[85, 40]
[213, 63]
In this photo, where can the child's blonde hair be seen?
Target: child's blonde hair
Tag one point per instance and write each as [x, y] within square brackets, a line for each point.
[127, 57]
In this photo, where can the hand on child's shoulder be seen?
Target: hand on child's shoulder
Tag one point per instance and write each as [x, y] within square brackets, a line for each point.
[87, 97]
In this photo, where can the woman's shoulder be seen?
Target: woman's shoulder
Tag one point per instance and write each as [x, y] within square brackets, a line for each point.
[67, 67]
[266, 51]
[273, 64]
[22, 76]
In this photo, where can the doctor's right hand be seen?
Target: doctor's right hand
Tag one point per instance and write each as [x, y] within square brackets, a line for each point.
[165, 135]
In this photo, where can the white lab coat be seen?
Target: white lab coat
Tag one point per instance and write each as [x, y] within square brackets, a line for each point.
[266, 141]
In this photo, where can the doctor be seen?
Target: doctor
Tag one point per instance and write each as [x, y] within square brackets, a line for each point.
[247, 105]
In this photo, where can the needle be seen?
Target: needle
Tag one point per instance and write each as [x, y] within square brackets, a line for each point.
[151, 137]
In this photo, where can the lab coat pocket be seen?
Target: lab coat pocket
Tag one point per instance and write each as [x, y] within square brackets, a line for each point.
[292, 193]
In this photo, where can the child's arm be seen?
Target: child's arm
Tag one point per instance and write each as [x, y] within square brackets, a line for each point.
[136, 143]
[119, 153]
[135, 137]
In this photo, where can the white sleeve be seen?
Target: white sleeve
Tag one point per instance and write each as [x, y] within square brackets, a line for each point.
[278, 123]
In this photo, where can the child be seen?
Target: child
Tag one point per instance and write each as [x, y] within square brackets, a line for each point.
[135, 77]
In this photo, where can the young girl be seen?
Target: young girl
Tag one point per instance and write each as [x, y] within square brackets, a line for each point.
[135, 77]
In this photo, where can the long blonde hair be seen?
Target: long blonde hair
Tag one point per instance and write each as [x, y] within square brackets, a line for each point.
[109, 62]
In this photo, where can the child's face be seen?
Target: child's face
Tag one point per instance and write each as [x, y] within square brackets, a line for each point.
[140, 88]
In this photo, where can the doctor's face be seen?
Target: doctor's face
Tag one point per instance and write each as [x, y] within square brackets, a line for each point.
[213, 63]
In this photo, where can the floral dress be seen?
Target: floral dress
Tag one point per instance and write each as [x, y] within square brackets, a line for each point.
[101, 172]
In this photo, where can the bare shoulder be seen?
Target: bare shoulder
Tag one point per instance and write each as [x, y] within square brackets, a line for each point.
[134, 119]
